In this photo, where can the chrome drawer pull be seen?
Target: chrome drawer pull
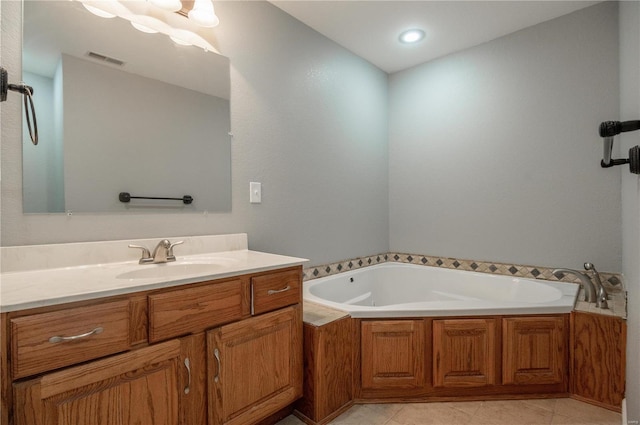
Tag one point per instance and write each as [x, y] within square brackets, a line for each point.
[55, 339]
[187, 364]
[278, 291]
[216, 354]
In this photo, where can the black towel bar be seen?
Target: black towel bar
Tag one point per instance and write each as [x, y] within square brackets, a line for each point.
[126, 197]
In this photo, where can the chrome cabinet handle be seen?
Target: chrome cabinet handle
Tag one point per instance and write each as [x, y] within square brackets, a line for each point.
[278, 291]
[187, 364]
[55, 339]
[216, 354]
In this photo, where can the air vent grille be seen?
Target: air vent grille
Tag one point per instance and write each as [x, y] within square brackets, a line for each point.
[103, 58]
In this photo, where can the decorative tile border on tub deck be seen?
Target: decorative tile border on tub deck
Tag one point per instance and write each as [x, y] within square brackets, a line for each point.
[613, 281]
[343, 266]
[515, 270]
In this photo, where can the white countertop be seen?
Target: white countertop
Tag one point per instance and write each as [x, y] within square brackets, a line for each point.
[38, 288]
[22, 289]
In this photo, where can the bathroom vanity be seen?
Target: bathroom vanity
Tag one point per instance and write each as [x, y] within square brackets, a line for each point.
[225, 348]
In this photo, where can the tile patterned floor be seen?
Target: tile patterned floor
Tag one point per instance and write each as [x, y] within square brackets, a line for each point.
[564, 411]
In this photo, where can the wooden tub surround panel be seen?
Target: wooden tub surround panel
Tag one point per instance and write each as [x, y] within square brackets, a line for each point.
[577, 355]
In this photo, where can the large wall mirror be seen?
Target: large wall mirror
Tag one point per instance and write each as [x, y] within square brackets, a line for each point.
[120, 110]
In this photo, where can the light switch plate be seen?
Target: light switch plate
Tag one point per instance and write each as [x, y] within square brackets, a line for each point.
[255, 192]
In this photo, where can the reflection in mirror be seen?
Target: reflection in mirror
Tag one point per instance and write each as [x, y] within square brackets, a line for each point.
[155, 125]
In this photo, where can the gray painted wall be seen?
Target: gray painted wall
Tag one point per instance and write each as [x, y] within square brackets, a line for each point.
[186, 151]
[494, 151]
[630, 110]
[309, 121]
[510, 171]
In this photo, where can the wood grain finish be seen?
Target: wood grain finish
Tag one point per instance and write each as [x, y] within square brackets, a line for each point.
[193, 402]
[471, 351]
[255, 367]
[392, 354]
[598, 359]
[32, 352]
[6, 400]
[137, 387]
[534, 350]
[464, 352]
[275, 290]
[146, 384]
[194, 309]
[328, 370]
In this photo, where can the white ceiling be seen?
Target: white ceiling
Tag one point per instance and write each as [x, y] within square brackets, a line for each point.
[370, 29]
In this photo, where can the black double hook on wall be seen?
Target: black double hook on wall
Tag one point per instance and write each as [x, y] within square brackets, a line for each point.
[608, 130]
[27, 93]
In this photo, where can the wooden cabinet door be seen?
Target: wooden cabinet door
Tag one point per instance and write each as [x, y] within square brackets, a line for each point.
[255, 367]
[534, 350]
[193, 384]
[598, 358]
[464, 352]
[392, 354]
[140, 387]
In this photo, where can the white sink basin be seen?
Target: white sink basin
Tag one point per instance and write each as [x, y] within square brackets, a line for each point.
[187, 267]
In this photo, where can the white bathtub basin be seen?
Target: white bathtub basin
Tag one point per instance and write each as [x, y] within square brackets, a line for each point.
[407, 290]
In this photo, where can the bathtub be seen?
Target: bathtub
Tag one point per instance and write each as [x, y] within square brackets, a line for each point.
[409, 290]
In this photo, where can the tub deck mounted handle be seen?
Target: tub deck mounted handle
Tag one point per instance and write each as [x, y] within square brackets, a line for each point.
[56, 339]
[278, 291]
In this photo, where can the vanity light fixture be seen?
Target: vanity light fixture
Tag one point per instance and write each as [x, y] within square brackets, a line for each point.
[411, 36]
[169, 5]
[146, 16]
[202, 14]
[146, 24]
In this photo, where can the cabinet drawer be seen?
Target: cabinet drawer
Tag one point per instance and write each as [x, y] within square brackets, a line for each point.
[273, 291]
[48, 341]
[195, 309]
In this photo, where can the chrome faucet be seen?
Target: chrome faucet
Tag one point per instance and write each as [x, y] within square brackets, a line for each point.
[587, 284]
[601, 293]
[163, 252]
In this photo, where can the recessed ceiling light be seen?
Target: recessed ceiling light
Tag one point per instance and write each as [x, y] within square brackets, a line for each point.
[411, 36]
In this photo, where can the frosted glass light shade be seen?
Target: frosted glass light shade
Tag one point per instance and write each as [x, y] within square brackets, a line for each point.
[169, 5]
[202, 14]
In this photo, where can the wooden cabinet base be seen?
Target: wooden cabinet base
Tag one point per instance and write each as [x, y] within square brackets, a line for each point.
[598, 359]
[328, 383]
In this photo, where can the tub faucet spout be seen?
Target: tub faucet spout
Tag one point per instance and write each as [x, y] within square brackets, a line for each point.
[587, 284]
[601, 293]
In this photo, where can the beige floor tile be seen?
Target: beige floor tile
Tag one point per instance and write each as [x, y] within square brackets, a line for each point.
[512, 412]
[566, 420]
[365, 414]
[589, 414]
[431, 414]
[509, 412]
[543, 403]
[290, 420]
[470, 407]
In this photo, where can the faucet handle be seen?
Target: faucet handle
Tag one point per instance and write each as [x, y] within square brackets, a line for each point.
[170, 255]
[146, 255]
